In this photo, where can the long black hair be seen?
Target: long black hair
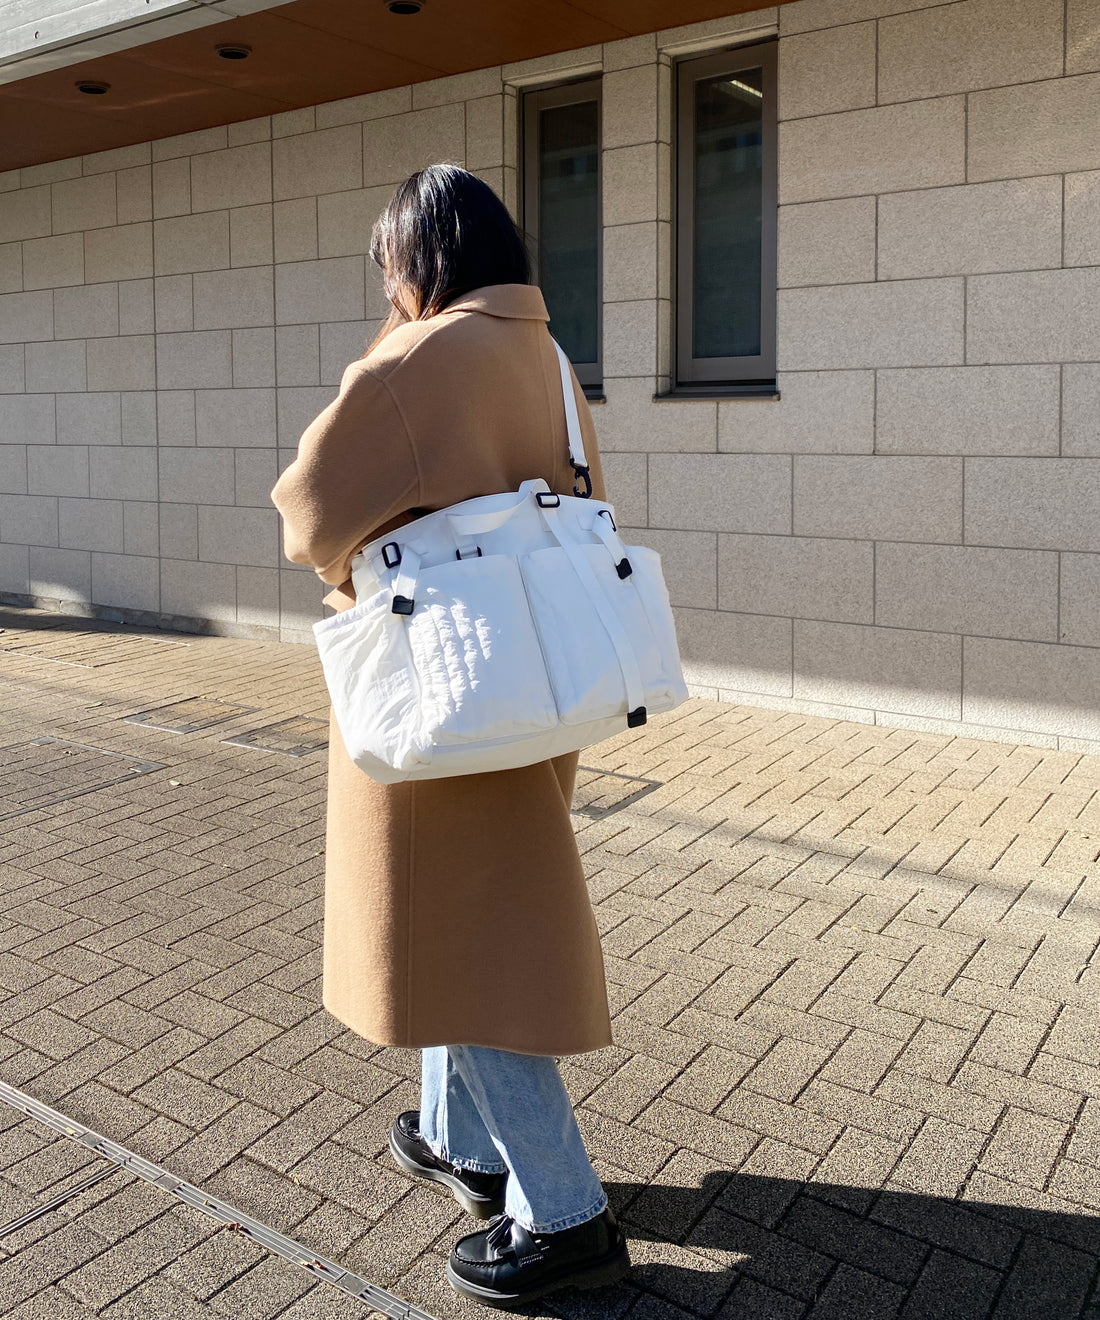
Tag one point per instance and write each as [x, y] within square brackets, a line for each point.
[444, 233]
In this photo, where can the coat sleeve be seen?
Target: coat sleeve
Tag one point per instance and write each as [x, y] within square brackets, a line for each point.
[355, 470]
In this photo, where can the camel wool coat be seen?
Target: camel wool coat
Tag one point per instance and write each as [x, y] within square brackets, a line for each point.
[456, 910]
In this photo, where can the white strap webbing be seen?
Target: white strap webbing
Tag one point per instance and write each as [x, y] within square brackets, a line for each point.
[572, 418]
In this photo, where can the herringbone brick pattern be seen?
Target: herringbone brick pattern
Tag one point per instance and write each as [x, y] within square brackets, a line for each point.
[854, 974]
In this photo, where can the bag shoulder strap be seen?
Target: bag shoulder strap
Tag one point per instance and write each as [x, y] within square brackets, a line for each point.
[573, 425]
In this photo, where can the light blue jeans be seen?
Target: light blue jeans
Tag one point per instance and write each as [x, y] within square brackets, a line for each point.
[492, 1111]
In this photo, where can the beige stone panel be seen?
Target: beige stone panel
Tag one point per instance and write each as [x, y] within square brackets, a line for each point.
[372, 105]
[124, 472]
[686, 38]
[629, 106]
[630, 338]
[824, 412]
[253, 357]
[60, 574]
[15, 568]
[251, 236]
[89, 419]
[295, 229]
[196, 476]
[877, 498]
[1081, 409]
[12, 375]
[625, 476]
[1031, 685]
[395, 146]
[889, 669]
[688, 563]
[968, 410]
[11, 268]
[125, 363]
[1036, 503]
[174, 303]
[116, 158]
[720, 492]
[629, 184]
[141, 528]
[190, 361]
[485, 132]
[27, 419]
[1015, 224]
[57, 470]
[198, 591]
[258, 597]
[749, 652]
[313, 291]
[828, 70]
[28, 519]
[290, 123]
[139, 417]
[630, 420]
[629, 262]
[343, 342]
[13, 469]
[249, 130]
[239, 176]
[1083, 219]
[900, 323]
[87, 311]
[544, 69]
[827, 242]
[1037, 128]
[90, 524]
[1034, 316]
[300, 598]
[175, 417]
[228, 299]
[191, 242]
[179, 531]
[24, 213]
[626, 54]
[962, 47]
[1080, 600]
[50, 262]
[134, 188]
[190, 144]
[887, 149]
[794, 575]
[122, 253]
[80, 204]
[297, 406]
[240, 418]
[1082, 36]
[130, 582]
[345, 220]
[806, 15]
[298, 355]
[963, 589]
[457, 87]
[26, 316]
[136, 308]
[239, 536]
[255, 472]
[56, 367]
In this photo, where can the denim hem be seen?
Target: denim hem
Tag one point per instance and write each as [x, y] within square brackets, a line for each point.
[474, 1166]
[569, 1221]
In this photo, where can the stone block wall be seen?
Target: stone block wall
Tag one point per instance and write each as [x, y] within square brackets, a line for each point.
[910, 534]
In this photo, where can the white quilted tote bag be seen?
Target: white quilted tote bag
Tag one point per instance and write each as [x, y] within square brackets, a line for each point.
[499, 632]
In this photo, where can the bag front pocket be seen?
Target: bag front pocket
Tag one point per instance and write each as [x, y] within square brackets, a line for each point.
[476, 653]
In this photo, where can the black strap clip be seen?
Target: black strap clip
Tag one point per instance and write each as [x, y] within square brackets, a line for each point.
[460, 555]
[635, 717]
[546, 499]
[391, 554]
[581, 471]
[623, 567]
[402, 605]
[606, 513]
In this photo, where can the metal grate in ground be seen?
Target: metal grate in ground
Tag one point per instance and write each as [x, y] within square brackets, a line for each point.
[189, 715]
[44, 771]
[297, 736]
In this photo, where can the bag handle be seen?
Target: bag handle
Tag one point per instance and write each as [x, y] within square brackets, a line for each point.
[577, 458]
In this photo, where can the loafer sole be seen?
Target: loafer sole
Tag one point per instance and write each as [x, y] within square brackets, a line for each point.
[477, 1207]
[607, 1271]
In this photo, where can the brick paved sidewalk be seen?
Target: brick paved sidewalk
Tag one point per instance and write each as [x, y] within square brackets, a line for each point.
[853, 971]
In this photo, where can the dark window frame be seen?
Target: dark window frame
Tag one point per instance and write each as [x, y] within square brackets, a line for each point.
[589, 88]
[732, 375]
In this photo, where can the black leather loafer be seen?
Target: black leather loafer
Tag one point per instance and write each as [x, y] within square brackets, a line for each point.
[479, 1194]
[506, 1266]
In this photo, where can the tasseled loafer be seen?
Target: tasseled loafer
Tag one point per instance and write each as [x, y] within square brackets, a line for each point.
[479, 1194]
[507, 1266]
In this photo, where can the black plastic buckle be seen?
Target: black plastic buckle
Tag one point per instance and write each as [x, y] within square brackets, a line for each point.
[582, 471]
[460, 555]
[606, 513]
[402, 605]
[635, 717]
[546, 499]
[395, 561]
[623, 567]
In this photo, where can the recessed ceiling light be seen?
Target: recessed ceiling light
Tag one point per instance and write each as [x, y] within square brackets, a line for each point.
[92, 88]
[234, 51]
[404, 6]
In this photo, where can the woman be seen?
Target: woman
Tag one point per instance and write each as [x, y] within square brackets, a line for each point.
[456, 914]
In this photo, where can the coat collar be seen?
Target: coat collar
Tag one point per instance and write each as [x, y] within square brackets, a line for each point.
[521, 301]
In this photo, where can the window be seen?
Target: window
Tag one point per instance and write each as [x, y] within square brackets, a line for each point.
[726, 219]
[561, 213]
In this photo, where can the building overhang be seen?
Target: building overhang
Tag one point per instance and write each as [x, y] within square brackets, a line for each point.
[158, 59]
